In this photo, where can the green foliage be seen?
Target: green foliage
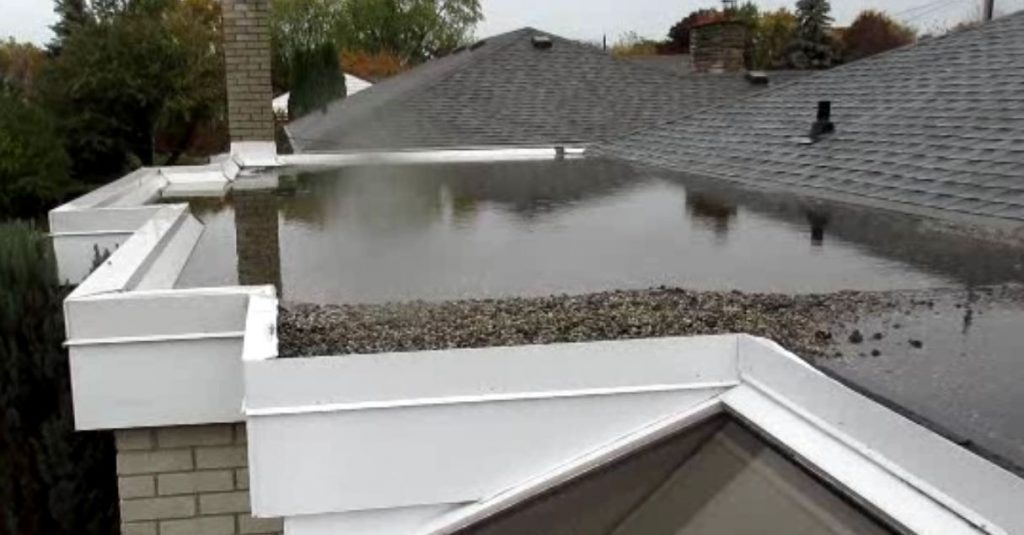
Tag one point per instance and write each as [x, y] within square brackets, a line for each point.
[414, 30]
[317, 80]
[630, 44]
[20, 64]
[873, 32]
[134, 68]
[813, 46]
[411, 30]
[772, 36]
[53, 480]
[33, 164]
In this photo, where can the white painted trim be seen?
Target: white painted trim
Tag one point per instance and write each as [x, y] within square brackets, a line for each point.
[917, 480]
[153, 339]
[599, 457]
[405, 157]
[478, 399]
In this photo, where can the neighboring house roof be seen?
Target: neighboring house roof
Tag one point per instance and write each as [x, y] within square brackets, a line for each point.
[505, 91]
[353, 85]
[680, 64]
[937, 125]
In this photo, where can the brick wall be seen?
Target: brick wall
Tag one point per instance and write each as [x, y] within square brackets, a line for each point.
[247, 63]
[718, 47]
[186, 481]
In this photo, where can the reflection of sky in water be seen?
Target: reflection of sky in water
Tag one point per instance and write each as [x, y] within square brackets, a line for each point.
[442, 232]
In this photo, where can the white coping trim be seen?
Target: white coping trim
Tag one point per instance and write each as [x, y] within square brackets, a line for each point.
[153, 339]
[599, 457]
[469, 155]
[494, 398]
[917, 480]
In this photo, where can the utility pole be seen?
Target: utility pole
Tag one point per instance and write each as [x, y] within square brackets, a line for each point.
[989, 8]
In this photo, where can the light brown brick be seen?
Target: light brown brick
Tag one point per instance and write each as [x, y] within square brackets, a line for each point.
[151, 462]
[248, 524]
[242, 478]
[158, 508]
[198, 435]
[224, 502]
[138, 528]
[221, 457]
[136, 487]
[134, 439]
[208, 525]
[195, 482]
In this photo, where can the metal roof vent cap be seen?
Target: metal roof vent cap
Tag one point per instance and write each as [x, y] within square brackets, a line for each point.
[757, 77]
[542, 42]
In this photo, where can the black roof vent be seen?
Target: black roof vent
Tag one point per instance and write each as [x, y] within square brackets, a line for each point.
[823, 125]
[757, 77]
[478, 44]
[542, 42]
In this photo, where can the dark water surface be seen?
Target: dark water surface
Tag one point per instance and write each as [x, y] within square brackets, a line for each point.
[438, 232]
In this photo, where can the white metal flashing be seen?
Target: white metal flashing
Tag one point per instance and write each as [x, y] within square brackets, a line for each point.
[406, 157]
[383, 439]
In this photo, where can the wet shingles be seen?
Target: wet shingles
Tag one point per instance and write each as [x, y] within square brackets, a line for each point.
[937, 125]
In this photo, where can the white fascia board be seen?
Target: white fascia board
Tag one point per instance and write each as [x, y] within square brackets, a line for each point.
[575, 468]
[401, 521]
[481, 419]
[488, 372]
[425, 156]
[394, 452]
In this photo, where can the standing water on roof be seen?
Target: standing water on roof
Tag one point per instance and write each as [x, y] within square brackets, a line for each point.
[437, 232]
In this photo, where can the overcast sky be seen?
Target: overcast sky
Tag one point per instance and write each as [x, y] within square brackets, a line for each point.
[29, 20]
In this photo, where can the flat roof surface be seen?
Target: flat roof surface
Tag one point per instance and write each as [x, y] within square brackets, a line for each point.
[464, 231]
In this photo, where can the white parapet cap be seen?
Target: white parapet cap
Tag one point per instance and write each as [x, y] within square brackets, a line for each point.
[433, 442]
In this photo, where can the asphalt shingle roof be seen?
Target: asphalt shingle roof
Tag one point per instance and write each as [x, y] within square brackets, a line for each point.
[507, 92]
[937, 125]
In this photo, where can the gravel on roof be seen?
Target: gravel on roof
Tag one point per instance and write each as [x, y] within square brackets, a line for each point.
[805, 324]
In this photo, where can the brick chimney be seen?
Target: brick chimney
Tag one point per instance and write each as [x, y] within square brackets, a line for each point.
[247, 69]
[718, 47]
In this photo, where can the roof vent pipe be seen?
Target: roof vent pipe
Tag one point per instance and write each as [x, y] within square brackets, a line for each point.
[823, 125]
[542, 42]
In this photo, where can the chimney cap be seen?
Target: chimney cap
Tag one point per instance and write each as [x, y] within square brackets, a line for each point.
[542, 42]
[758, 77]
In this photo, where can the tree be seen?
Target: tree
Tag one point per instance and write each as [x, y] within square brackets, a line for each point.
[372, 67]
[873, 32]
[772, 37]
[317, 80]
[20, 64]
[630, 44]
[33, 164]
[71, 14]
[53, 480]
[134, 69]
[679, 34]
[813, 47]
[413, 30]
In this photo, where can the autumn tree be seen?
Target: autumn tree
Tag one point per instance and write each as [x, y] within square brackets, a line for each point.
[413, 30]
[20, 64]
[772, 36]
[133, 70]
[679, 34]
[873, 32]
[813, 46]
